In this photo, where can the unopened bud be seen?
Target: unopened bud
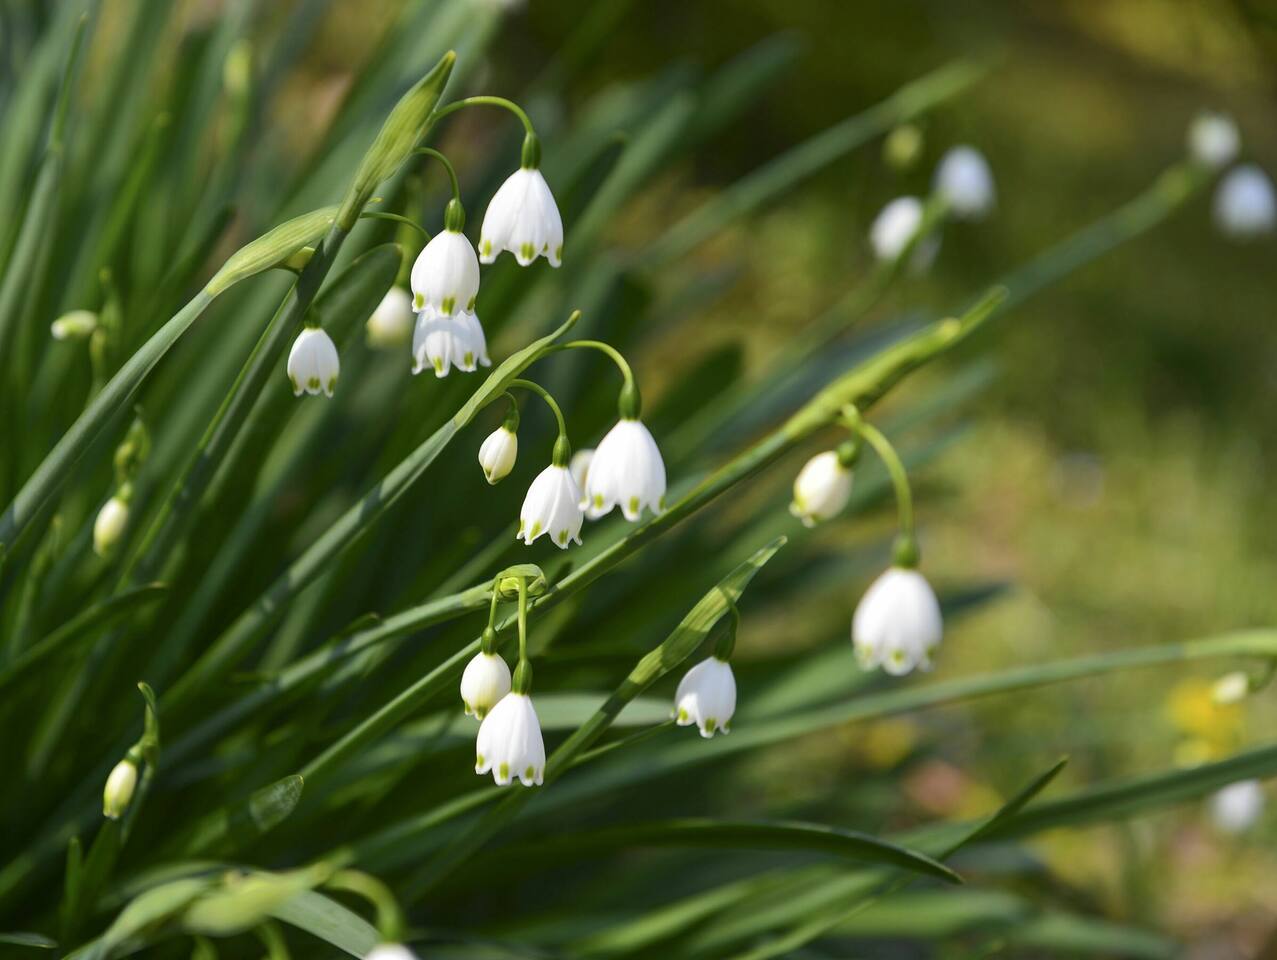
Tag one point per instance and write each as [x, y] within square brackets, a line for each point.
[903, 147]
[109, 525]
[76, 325]
[1230, 688]
[119, 789]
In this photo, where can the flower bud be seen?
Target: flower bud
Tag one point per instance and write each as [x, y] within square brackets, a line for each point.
[498, 453]
[894, 229]
[822, 489]
[1230, 688]
[391, 323]
[965, 181]
[76, 325]
[1245, 205]
[1213, 140]
[903, 147]
[119, 789]
[109, 525]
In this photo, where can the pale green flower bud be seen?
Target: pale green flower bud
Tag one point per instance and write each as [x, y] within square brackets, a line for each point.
[76, 325]
[109, 526]
[119, 789]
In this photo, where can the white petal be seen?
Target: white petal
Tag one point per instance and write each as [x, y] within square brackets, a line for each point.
[445, 276]
[963, 178]
[627, 470]
[897, 623]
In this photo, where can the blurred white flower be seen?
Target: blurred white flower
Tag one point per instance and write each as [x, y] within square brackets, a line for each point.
[1213, 140]
[75, 325]
[1238, 806]
[509, 742]
[391, 323]
[1244, 203]
[553, 506]
[821, 489]
[1230, 688]
[441, 342]
[313, 364]
[498, 453]
[897, 624]
[109, 525]
[893, 229]
[118, 793]
[579, 467]
[965, 181]
[390, 951]
[485, 681]
[524, 219]
[626, 469]
[706, 696]
[445, 276]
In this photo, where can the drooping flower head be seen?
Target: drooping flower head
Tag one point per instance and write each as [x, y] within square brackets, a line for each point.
[965, 181]
[553, 506]
[510, 744]
[822, 488]
[498, 452]
[1213, 140]
[1238, 806]
[580, 470]
[390, 951]
[445, 275]
[1245, 206]
[897, 624]
[391, 324]
[109, 525]
[626, 470]
[523, 217]
[706, 696]
[441, 342]
[485, 681]
[895, 227]
[313, 364]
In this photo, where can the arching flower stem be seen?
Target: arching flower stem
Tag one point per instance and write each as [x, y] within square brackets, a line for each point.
[562, 448]
[906, 549]
[629, 403]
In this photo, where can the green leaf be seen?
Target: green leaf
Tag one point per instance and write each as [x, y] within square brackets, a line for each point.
[785, 836]
[244, 901]
[330, 921]
[272, 248]
[29, 940]
[243, 822]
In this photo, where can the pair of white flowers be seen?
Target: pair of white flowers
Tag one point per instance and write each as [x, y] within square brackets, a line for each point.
[1245, 203]
[509, 744]
[965, 183]
[626, 470]
[897, 624]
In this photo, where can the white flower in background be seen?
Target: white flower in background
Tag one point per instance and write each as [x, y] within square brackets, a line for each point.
[897, 624]
[895, 226]
[1213, 140]
[579, 467]
[1238, 806]
[441, 342]
[392, 322]
[445, 276]
[553, 506]
[965, 181]
[75, 325]
[822, 488]
[109, 525]
[706, 696]
[509, 742]
[498, 453]
[524, 219]
[118, 793]
[313, 365]
[1230, 688]
[485, 681]
[1244, 203]
[390, 951]
[626, 469]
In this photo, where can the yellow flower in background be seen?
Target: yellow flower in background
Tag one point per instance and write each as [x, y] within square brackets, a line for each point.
[1210, 728]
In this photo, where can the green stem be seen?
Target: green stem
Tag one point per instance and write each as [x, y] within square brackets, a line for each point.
[544, 394]
[447, 165]
[390, 920]
[397, 218]
[629, 401]
[906, 546]
[523, 671]
[489, 102]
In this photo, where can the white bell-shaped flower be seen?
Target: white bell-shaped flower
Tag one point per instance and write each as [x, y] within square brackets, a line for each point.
[441, 342]
[893, 229]
[391, 324]
[313, 364]
[118, 793]
[822, 489]
[626, 469]
[1245, 205]
[390, 951]
[1238, 806]
[553, 506]
[509, 742]
[524, 219]
[109, 525]
[445, 276]
[498, 452]
[706, 696]
[1213, 140]
[485, 681]
[579, 467]
[965, 181]
[897, 625]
